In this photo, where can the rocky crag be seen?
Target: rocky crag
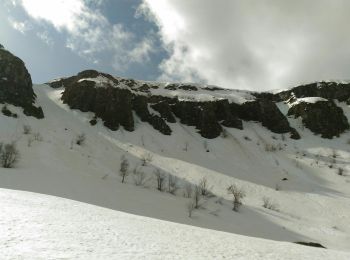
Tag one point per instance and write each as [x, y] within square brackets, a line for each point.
[16, 85]
[209, 109]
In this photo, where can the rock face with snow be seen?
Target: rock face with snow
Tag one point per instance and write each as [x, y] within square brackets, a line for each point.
[115, 100]
[209, 109]
[321, 117]
[16, 84]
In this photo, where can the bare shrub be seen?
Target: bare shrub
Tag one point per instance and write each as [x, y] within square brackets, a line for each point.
[224, 133]
[269, 205]
[203, 185]
[139, 177]
[188, 190]
[27, 129]
[238, 194]
[160, 178]
[277, 187]
[190, 206]
[186, 146]
[340, 171]
[124, 168]
[9, 155]
[270, 148]
[206, 146]
[80, 139]
[197, 195]
[38, 137]
[173, 184]
[146, 158]
[30, 141]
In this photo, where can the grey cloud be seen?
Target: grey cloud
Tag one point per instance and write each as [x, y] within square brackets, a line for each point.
[253, 44]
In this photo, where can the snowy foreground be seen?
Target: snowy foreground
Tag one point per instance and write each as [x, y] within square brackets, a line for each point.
[36, 226]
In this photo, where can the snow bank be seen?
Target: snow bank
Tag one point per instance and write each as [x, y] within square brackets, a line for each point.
[35, 226]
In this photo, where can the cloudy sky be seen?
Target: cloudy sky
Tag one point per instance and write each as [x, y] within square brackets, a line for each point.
[243, 44]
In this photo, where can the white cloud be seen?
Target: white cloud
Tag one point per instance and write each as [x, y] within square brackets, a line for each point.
[89, 31]
[20, 26]
[253, 44]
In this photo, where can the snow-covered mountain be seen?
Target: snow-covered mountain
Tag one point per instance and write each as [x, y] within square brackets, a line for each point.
[297, 189]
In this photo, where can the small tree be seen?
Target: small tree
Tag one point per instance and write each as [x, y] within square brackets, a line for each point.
[80, 139]
[190, 206]
[238, 194]
[124, 168]
[188, 190]
[172, 184]
[146, 158]
[160, 177]
[197, 195]
[9, 155]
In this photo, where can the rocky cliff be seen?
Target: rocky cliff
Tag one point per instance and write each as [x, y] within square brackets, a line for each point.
[16, 84]
[208, 109]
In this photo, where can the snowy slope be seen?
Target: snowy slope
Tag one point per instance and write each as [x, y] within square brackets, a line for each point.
[313, 203]
[35, 226]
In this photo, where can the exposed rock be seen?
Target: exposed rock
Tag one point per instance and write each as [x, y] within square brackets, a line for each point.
[16, 84]
[313, 244]
[322, 117]
[327, 90]
[266, 112]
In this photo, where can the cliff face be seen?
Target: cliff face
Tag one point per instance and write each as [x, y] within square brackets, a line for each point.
[116, 100]
[208, 109]
[16, 84]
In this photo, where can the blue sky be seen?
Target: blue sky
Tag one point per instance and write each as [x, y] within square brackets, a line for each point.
[45, 47]
[241, 44]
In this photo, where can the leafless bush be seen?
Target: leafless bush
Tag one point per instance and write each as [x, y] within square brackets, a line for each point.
[80, 139]
[186, 146]
[30, 141]
[270, 148]
[124, 168]
[206, 146]
[160, 178]
[172, 184]
[203, 185]
[146, 158]
[238, 194]
[224, 133]
[38, 137]
[269, 205]
[277, 187]
[188, 190]
[197, 195]
[219, 201]
[27, 129]
[139, 177]
[340, 171]
[9, 155]
[190, 206]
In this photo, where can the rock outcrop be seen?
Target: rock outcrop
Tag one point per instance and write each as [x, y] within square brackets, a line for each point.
[117, 100]
[16, 84]
[321, 117]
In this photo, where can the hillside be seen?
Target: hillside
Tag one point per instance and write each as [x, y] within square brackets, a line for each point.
[301, 176]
